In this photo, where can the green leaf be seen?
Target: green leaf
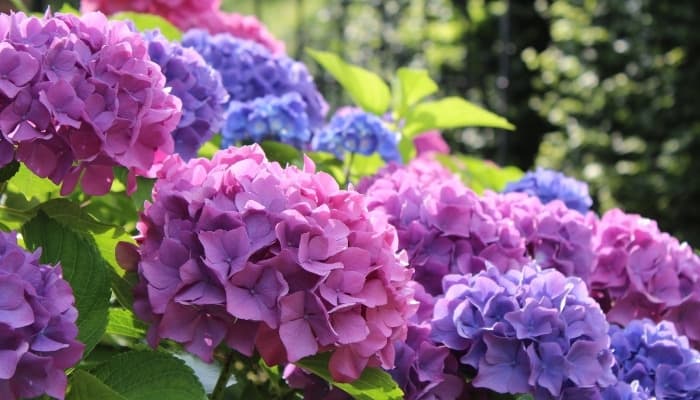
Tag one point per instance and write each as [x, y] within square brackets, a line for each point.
[147, 375]
[413, 86]
[280, 152]
[328, 163]
[451, 112]
[85, 386]
[9, 170]
[366, 88]
[123, 322]
[82, 267]
[32, 186]
[363, 165]
[373, 384]
[68, 9]
[480, 174]
[407, 149]
[146, 22]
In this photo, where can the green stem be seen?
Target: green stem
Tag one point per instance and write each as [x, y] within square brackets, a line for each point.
[224, 376]
[348, 168]
[20, 6]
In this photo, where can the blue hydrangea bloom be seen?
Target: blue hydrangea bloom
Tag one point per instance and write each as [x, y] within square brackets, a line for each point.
[267, 118]
[197, 85]
[656, 359]
[353, 130]
[551, 185]
[250, 71]
[531, 331]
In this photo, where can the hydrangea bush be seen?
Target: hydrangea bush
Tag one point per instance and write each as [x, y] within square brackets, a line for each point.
[353, 257]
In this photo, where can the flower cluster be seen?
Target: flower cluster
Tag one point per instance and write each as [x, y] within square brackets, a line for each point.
[250, 71]
[444, 226]
[280, 118]
[78, 96]
[356, 131]
[641, 272]
[425, 370]
[556, 236]
[530, 331]
[189, 14]
[37, 325]
[549, 185]
[654, 361]
[199, 88]
[239, 250]
[430, 142]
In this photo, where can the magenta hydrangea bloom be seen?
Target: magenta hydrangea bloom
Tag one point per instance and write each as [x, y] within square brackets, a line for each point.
[526, 331]
[641, 272]
[556, 236]
[79, 96]
[443, 225]
[239, 250]
[37, 325]
[190, 14]
[199, 88]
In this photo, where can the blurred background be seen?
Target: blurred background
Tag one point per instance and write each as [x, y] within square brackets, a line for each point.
[604, 90]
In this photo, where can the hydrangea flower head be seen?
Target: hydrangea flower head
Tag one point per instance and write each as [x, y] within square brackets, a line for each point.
[556, 236]
[37, 325]
[79, 97]
[526, 331]
[239, 250]
[443, 225]
[356, 131]
[641, 272]
[191, 14]
[654, 358]
[280, 118]
[199, 88]
[250, 71]
[548, 185]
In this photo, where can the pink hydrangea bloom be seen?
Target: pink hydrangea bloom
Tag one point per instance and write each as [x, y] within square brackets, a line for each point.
[641, 272]
[431, 142]
[190, 14]
[239, 250]
[443, 225]
[556, 236]
[80, 96]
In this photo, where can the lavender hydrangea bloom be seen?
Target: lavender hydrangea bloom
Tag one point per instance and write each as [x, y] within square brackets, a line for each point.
[268, 118]
[37, 325]
[530, 331]
[356, 131]
[549, 185]
[556, 236]
[444, 226]
[197, 85]
[239, 250]
[250, 71]
[79, 96]
[641, 272]
[655, 359]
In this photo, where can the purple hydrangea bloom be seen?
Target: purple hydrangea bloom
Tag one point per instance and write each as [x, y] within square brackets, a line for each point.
[37, 325]
[356, 131]
[526, 331]
[549, 185]
[556, 236]
[443, 225]
[425, 370]
[641, 272]
[654, 360]
[250, 71]
[239, 250]
[79, 96]
[197, 85]
[280, 118]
